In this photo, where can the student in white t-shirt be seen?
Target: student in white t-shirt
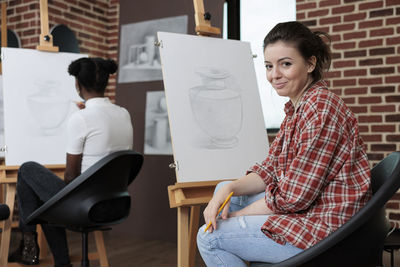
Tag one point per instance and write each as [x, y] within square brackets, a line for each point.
[93, 132]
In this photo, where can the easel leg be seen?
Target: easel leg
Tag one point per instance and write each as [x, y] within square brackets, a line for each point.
[194, 227]
[42, 243]
[183, 236]
[6, 225]
[101, 248]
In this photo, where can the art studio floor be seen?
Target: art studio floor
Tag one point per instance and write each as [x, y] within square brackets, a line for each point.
[128, 252]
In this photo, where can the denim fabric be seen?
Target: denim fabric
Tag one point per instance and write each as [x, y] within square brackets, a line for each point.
[240, 239]
[36, 185]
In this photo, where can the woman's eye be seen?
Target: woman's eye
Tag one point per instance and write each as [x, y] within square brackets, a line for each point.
[268, 67]
[286, 64]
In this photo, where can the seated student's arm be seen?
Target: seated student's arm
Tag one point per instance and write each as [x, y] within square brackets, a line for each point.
[73, 167]
[247, 185]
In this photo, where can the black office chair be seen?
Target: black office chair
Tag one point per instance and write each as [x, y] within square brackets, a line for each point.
[359, 242]
[94, 200]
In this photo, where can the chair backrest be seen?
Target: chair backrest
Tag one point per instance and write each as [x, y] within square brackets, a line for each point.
[359, 242]
[98, 197]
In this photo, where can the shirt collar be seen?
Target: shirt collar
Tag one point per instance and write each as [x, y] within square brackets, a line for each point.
[97, 101]
[289, 108]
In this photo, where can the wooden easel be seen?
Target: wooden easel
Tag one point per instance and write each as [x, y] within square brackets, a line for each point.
[8, 174]
[188, 197]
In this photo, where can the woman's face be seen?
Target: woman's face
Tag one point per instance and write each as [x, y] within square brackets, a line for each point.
[287, 71]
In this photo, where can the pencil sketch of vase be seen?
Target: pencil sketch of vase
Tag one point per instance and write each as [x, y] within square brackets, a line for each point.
[48, 107]
[217, 107]
[157, 130]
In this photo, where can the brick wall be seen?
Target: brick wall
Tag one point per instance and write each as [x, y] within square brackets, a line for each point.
[94, 22]
[365, 69]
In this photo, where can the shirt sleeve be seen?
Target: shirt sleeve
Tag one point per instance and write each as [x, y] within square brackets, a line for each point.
[76, 134]
[317, 150]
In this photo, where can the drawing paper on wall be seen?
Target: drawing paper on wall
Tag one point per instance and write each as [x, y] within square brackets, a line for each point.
[139, 58]
[39, 96]
[214, 108]
[157, 133]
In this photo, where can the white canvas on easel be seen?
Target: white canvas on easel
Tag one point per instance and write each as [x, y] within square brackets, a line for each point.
[39, 97]
[214, 109]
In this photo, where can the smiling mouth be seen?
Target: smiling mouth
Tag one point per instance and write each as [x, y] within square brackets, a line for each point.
[279, 85]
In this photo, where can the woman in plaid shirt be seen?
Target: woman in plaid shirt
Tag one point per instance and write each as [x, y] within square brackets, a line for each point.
[315, 177]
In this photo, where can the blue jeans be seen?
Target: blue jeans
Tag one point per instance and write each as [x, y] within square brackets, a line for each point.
[240, 239]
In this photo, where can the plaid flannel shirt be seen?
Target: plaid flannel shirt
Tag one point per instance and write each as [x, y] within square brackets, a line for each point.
[317, 174]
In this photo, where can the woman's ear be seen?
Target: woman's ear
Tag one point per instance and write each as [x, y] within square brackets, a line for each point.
[312, 61]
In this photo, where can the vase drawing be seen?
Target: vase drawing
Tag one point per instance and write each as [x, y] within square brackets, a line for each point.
[217, 107]
[48, 107]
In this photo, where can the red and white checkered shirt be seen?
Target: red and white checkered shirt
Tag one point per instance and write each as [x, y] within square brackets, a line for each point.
[317, 172]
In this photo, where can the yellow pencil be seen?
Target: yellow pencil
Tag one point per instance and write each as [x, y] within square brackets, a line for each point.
[220, 209]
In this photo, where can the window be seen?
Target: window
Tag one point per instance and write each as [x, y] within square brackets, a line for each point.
[258, 17]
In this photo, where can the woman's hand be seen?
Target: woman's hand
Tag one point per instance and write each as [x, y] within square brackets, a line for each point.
[210, 212]
[258, 207]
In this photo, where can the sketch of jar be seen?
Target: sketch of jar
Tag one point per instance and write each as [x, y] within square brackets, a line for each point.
[217, 107]
[48, 106]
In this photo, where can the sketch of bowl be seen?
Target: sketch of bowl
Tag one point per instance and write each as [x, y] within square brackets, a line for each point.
[216, 108]
[48, 109]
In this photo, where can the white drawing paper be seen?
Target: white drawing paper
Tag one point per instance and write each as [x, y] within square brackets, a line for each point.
[39, 97]
[214, 109]
[139, 58]
[157, 133]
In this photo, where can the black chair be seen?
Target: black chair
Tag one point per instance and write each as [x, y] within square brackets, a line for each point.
[4, 212]
[359, 242]
[94, 200]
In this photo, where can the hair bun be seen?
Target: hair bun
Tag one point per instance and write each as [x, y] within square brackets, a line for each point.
[109, 66]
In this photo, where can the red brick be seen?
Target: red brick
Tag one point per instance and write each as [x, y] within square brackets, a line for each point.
[393, 41]
[344, 63]
[355, 72]
[393, 60]
[354, 35]
[330, 20]
[363, 128]
[347, 82]
[369, 118]
[381, 32]
[381, 12]
[359, 109]
[392, 118]
[393, 21]
[325, 3]
[370, 23]
[392, 79]
[332, 74]
[300, 16]
[372, 138]
[393, 138]
[382, 89]
[384, 147]
[345, 45]
[372, 61]
[370, 100]
[355, 17]
[355, 91]
[385, 108]
[370, 81]
[356, 53]
[343, 9]
[349, 100]
[343, 27]
[318, 13]
[370, 5]
[383, 128]
[392, 98]
[381, 51]
[386, 70]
